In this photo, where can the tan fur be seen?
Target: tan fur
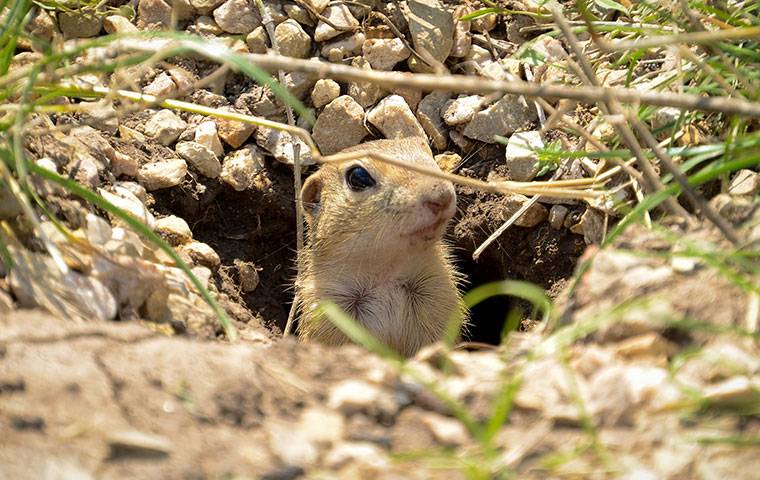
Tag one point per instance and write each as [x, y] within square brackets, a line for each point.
[402, 287]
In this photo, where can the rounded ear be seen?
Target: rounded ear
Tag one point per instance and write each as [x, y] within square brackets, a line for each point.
[311, 196]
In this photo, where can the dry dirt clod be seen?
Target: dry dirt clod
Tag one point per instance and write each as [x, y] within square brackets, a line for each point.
[234, 133]
[393, 117]
[339, 126]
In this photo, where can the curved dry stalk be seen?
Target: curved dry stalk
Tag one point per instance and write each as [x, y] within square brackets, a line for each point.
[740, 33]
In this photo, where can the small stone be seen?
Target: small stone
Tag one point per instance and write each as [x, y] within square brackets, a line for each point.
[299, 14]
[338, 15]
[734, 208]
[241, 167]
[42, 26]
[461, 110]
[665, 116]
[248, 275]
[485, 23]
[365, 93]
[118, 24]
[591, 225]
[339, 126]
[384, 53]
[611, 400]
[290, 444]
[101, 116]
[164, 127]
[124, 441]
[351, 396]
[164, 174]
[682, 264]
[362, 453]
[6, 302]
[432, 30]
[448, 162]
[476, 59]
[322, 425]
[234, 133]
[650, 345]
[204, 7]
[162, 86]
[521, 155]
[184, 79]
[506, 116]
[136, 189]
[557, 216]
[206, 135]
[127, 133]
[257, 40]
[745, 182]
[429, 116]
[503, 69]
[76, 24]
[154, 14]
[318, 5]
[281, 146]
[98, 230]
[734, 392]
[344, 48]
[292, 40]
[200, 157]
[464, 143]
[207, 27]
[462, 40]
[174, 230]
[237, 16]
[411, 96]
[299, 84]
[324, 92]
[393, 117]
[446, 431]
[9, 206]
[202, 254]
[127, 201]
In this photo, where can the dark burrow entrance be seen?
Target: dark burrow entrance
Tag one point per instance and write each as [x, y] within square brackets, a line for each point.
[258, 226]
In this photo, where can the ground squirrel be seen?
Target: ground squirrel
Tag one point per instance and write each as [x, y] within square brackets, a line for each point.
[375, 248]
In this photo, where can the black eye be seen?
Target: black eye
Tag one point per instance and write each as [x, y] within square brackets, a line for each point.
[359, 179]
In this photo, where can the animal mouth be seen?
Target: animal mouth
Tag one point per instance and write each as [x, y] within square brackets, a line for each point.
[429, 231]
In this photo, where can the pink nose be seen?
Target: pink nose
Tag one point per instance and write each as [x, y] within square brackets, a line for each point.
[439, 200]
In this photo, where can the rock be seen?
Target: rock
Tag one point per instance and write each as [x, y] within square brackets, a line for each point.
[665, 116]
[736, 392]
[446, 431]
[202, 254]
[340, 16]
[127, 133]
[241, 167]
[462, 41]
[350, 396]
[136, 189]
[429, 116]
[448, 161]
[206, 135]
[485, 23]
[174, 230]
[394, 119]
[461, 110]
[42, 26]
[137, 441]
[183, 9]
[321, 425]
[339, 126]
[299, 84]
[118, 24]
[127, 201]
[6, 302]
[280, 146]
[343, 48]
[318, 5]
[184, 79]
[154, 14]
[734, 208]
[464, 143]
[200, 157]
[362, 453]
[292, 40]
[248, 275]
[101, 116]
[207, 27]
[432, 30]
[365, 93]
[503, 118]
[164, 127]
[204, 7]
[234, 133]
[158, 175]
[76, 24]
[557, 216]
[237, 16]
[503, 69]
[521, 156]
[745, 182]
[97, 229]
[162, 86]
[290, 444]
[720, 360]
[324, 92]
[649, 345]
[384, 53]
[299, 14]
[411, 96]
[591, 226]
[476, 59]
[257, 40]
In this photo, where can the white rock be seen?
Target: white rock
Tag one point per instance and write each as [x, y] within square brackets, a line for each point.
[745, 182]
[202, 254]
[447, 431]
[289, 444]
[324, 92]
[164, 127]
[462, 109]
[118, 24]
[292, 40]
[338, 15]
[384, 53]
[506, 116]
[393, 117]
[241, 167]
[736, 391]
[432, 30]
[157, 175]
[359, 396]
[98, 229]
[174, 229]
[349, 46]
[362, 453]
[200, 157]
[126, 200]
[206, 135]
[339, 126]
[365, 93]
[162, 86]
[237, 16]
[322, 425]
[522, 157]
[281, 146]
